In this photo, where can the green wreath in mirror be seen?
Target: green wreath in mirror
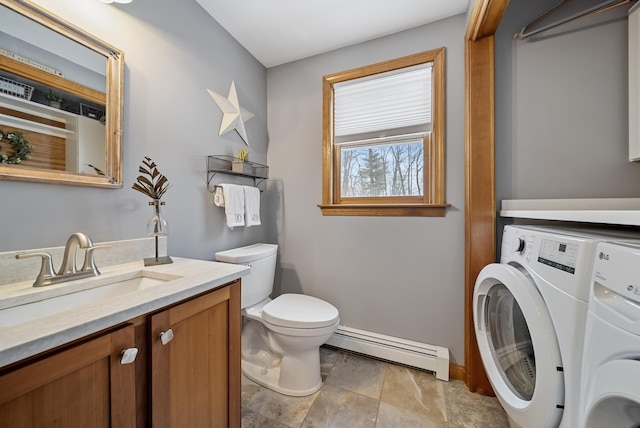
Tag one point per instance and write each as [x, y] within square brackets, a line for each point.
[21, 148]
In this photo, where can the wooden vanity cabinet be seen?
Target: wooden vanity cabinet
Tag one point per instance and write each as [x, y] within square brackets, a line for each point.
[195, 375]
[83, 386]
[193, 380]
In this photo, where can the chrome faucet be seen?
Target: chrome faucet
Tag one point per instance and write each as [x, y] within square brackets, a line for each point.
[68, 270]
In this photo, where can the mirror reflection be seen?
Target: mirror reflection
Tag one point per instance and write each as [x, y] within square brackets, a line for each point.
[61, 92]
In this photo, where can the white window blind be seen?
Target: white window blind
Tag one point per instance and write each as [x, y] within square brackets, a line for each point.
[391, 102]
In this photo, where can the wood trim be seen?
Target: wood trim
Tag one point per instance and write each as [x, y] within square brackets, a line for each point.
[382, 67]
[384, 200]
[327, 138]
[33, 118]
[484, 18]
[480, 191]
[408, 210]
[34, 12]
[28, 72]
[436, 144]
[457, 372]
[115, 119]
[235, 371]
[480, 205]
[476, 19]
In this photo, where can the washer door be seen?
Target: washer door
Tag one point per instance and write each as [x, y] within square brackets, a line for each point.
[613, 396]
[518, 346]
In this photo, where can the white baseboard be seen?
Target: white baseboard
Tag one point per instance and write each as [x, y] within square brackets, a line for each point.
[415, 354]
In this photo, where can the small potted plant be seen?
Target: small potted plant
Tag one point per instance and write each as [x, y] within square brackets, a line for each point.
[241, 164]
[55, 100]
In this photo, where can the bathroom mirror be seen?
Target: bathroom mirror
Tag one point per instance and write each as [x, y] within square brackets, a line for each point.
[44, 60]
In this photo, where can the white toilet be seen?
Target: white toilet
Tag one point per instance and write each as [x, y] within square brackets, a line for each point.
[281, 338]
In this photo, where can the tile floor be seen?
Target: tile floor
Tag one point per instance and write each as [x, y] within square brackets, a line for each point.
[364, 392]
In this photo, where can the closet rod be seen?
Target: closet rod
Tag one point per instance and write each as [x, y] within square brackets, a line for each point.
[600, 6]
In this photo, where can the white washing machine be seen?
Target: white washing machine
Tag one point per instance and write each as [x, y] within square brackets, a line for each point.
[529, 314]
[611, 365]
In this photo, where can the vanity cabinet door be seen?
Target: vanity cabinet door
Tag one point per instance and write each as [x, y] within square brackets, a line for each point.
[83, 386]
[195, 362]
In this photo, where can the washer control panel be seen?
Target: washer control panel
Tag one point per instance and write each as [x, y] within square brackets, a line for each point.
[530, 246]
[562, 259]
[559, 254]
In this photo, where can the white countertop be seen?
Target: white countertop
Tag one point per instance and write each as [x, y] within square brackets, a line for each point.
[33, 337]
[615, 211]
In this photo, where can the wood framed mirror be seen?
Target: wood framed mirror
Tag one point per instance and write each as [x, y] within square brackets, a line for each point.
[44, 59]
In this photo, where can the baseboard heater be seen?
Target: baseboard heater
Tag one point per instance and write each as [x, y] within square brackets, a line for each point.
[415, 354]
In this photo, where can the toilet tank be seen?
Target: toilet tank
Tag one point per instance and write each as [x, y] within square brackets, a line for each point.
[259, 283]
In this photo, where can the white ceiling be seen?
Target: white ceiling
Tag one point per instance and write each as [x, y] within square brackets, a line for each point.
[281, 31]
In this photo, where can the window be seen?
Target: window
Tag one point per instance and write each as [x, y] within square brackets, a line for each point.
[383, 138]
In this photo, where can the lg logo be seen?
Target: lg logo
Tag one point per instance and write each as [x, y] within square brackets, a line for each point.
[603, 256]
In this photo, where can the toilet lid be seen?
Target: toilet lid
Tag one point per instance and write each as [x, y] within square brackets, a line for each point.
[299, 311]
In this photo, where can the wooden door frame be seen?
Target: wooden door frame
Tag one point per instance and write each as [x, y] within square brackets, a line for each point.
[480, 201]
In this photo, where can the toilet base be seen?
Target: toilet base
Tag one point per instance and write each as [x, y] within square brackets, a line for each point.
[270, 378]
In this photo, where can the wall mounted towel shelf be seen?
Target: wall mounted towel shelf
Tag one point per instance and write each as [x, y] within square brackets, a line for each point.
[222, 164]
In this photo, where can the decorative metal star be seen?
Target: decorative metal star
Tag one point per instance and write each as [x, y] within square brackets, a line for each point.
[234, 116]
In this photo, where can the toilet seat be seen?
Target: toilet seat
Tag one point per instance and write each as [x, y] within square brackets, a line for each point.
[299, 311]
[301, 332]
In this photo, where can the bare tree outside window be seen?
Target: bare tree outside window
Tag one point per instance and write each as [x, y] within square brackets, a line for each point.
[382, 170]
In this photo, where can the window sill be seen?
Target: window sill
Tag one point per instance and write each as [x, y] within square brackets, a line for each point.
[396, 210]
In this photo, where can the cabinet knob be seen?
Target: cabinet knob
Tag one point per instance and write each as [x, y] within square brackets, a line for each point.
[128, 356]
[166, 336]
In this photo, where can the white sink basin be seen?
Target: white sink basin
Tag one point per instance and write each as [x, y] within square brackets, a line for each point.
[77, 294]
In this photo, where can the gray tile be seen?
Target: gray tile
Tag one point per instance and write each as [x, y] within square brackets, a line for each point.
[328, 359]
[251, 419]
[390, 416]
[416, 391]
[337, 407]
[469, 410]
[349, 398]
[249, 390]
[283, 409]
[358, 374]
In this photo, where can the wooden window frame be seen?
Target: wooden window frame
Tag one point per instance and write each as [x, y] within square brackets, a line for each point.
[432, 204]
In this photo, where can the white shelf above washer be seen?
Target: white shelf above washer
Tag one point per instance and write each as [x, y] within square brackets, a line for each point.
[621, 211]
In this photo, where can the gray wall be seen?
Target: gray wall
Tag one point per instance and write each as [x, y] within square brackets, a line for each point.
[173, 51]
[561, 132]
[561, 110]
[400, 276]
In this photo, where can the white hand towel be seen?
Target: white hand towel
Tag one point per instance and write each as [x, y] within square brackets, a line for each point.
[218, 197]
[252, 205]
[233, 204]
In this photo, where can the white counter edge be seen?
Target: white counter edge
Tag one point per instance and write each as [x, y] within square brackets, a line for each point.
[31, 338]
[620, 211]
